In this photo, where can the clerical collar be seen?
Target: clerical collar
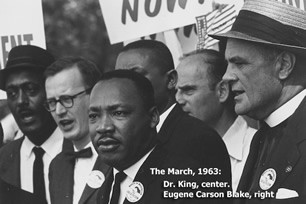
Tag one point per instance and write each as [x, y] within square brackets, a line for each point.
[286, 110]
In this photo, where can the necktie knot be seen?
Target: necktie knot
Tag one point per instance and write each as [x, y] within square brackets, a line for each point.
[39, 152]
[84, 153]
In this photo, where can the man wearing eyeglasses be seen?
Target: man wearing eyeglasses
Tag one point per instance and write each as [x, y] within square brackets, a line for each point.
[74, 175]
[24, 163]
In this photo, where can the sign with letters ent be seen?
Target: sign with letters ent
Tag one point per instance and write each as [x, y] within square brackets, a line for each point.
[21, 23]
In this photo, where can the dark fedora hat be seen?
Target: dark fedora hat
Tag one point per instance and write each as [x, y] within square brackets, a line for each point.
[272, 23]
[25, 57]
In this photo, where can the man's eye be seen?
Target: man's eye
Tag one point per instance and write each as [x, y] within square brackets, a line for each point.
[188, 92]
[92, 116]
[120, 113]
[66, 99]
[11, 93]
[31, 89]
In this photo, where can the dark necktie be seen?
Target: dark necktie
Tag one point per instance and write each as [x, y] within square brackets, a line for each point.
[38, 173]
[120, 176]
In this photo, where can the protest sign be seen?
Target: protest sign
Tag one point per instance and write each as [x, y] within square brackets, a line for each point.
[21, 23]
[130, 19]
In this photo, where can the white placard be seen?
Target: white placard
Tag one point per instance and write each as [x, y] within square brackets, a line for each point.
[129, 19]
[21, 23]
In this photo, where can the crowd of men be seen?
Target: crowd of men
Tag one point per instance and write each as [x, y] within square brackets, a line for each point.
[150, 132]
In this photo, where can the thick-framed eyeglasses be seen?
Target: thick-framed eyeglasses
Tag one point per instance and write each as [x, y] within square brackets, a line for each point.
[66, 101]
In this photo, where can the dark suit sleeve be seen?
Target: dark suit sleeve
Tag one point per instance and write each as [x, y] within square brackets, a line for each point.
[1, 135]
[10, 194]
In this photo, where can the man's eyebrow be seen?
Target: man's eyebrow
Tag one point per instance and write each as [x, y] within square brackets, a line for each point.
[109, 108]
[186, 87]
[235, 59]
[94, 108]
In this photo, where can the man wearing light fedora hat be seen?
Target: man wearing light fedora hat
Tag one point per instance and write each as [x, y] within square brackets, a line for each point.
[25, 162]
[266, 54]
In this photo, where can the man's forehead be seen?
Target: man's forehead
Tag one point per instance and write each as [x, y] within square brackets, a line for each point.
[22, 77]
[239, 47]
[114, 94]
[114, 87]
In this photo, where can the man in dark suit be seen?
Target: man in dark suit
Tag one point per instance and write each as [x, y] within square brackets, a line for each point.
[178, 132]
[74, 176]
[123, 116]
[24, 163]
[10, 194]
[266, 53]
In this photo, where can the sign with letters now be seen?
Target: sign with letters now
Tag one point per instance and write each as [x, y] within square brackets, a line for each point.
[130, 19]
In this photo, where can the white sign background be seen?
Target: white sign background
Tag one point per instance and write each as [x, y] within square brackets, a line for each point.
[21, 22]
[184, 13]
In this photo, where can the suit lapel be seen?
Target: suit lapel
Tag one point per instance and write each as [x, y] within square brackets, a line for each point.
[12, 172]
[169, 124]
[88, 191]
[144, 176]
[289, 146]
[104, 191]
[62, 192]
[246, 176]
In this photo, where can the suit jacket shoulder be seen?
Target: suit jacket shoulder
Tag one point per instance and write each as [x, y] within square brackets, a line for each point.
[288, 159]
[10, 162]
[184, 135]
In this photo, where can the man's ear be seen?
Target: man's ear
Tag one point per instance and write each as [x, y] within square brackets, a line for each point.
[285, 62]
[171, 79]
[223, 91]
[154, 115]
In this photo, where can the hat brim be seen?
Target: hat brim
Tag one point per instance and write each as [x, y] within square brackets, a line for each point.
[5, 72]
[242, 36]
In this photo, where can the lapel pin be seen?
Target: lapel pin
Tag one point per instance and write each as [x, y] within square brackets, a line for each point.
[135, 192]
[288, 169]
[96, 179]
[267, 179]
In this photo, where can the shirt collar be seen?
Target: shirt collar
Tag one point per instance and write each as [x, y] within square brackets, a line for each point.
[163, 117]
[132, 170]
[286, 110]
[234, 136]
[52, 145]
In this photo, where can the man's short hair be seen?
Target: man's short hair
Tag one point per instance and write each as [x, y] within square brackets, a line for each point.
[217, 65]
[161, 55]
[143, 85]
[90, 73]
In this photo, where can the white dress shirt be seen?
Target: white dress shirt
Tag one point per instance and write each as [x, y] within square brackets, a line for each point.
[130, 176]
[286, 110]
[52, 146]
[163, 117]
[238, 140]
[82, 170]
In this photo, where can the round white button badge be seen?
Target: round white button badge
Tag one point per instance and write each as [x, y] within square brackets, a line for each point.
[267, 179]
[96, 179]
[135, 192]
